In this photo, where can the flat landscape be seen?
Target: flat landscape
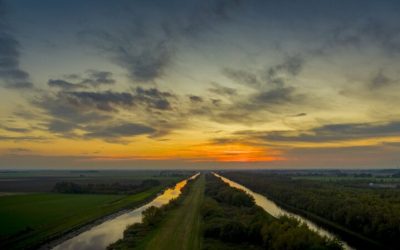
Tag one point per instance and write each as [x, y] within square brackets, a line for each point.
[31, 216]
[358, 209]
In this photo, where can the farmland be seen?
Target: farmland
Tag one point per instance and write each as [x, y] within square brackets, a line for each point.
[30, 218]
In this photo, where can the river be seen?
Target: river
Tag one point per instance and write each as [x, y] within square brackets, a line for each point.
[276, 211]
[109, 231]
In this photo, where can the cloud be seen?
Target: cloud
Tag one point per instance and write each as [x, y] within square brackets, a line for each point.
[104, 101]
[63, 84]
[290, 67]
[59, 126]
[276, 75]
[23, 138]
[144, 57]
[380, 80]
[94, 112]
[11, 74]
[222, 90]
[195, 99]
[16, 130]
[243, 77]
[336, 132]
[274, 96]
[146, 45]
[118, 132]
[96, 78]
[154, 98]
[93, 78]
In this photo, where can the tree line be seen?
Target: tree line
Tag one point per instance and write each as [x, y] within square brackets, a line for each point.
[232, 220]
[372, 213]
[104, 188]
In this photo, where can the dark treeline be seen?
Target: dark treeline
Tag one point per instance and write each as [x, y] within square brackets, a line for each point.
[103, 188]
[373, 213]
[233, 221]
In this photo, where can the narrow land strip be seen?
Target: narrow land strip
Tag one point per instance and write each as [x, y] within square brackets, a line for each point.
[182, 229]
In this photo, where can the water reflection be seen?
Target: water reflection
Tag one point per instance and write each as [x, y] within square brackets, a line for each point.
[276, 211]
[102, 235]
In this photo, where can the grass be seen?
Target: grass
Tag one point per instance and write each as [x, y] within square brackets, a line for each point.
[181, 230]
[28, 220]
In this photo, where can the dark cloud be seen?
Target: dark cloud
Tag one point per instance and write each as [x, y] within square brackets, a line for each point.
[299, 115]
[276, 75]
[243, 77]
[93, 78]
[274, 96]
[93, 111]
[118, 132]
[195, 98]
[63, 84]
[104, 101]
[61, 107]
[59, 126]
[16, 130]
[279, 74]
[11, 74]
[380, 80]
[153, 98]
[222, 90]
[144, 57]
[23, 138]
[96, 78]
[336, 132]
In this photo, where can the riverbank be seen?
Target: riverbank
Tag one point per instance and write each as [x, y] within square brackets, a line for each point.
[351, 238]
[111, 230]
[356, 240]
[87, 226]
[174, 225]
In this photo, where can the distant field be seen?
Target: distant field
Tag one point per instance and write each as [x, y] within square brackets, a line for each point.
[31, 218]
[348, 178]
[44, 180]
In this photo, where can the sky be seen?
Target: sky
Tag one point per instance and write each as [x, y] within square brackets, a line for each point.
[199, 84]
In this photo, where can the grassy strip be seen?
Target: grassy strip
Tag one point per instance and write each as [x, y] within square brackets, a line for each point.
[182, 228]
[49, 216]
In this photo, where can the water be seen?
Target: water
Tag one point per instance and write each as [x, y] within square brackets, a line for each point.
[108, 232]
[276, 211]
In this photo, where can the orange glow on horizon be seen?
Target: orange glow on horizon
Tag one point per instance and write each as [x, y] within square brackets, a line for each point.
[204, 153]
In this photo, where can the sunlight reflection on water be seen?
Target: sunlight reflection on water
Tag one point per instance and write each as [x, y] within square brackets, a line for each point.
[102, 235]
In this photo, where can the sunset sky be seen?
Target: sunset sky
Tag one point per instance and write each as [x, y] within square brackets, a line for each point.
[199, 84]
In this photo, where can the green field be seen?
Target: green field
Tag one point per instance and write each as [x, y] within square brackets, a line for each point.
[30, 219]
[181, 230]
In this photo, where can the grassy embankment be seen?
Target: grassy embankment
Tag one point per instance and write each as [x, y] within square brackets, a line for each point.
[182, 228]
[175, 226]
[29, 220]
